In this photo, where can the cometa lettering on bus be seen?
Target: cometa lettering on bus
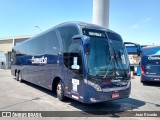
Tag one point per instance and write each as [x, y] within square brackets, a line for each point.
[42, 60]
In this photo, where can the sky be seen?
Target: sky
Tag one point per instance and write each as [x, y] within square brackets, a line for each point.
[136, 21]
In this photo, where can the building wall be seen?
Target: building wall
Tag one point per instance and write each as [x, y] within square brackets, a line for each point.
[2, 60]
[6, 45]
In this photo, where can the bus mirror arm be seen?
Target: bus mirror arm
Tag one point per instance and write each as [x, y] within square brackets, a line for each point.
[86, 42]
[86, 46]
[138, 50]
[60, 53]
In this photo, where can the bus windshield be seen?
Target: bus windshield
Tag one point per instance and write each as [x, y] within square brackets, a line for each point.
[120, 52]
[152, 51]
[99, 59]
[106, 57]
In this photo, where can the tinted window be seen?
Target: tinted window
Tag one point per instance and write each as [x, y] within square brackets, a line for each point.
[66, 34]
[114, 36]
[51, 43]
[37, 46]
[131, 49]
[99, 62]
[74, 53]
[45, 44]
[151, 51]
[119, 50]
[31, 47]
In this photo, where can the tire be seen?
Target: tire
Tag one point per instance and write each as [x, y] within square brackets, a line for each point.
[60, 92]
[142, 81]
[17, 76]
[20, 77]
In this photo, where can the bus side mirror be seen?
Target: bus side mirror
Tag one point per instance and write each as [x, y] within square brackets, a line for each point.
[138, 50]
[86, 46]
[121, 52]
[85, 41]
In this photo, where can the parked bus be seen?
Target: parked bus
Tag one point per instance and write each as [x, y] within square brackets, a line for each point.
[82, 61]
[134, 53]
[150, 64]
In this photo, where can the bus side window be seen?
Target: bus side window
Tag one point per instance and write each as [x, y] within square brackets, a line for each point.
[66, 34]
[52, 43]
[71, 49]
[73, 59]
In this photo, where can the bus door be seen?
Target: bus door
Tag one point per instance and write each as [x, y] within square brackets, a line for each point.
[74, 71]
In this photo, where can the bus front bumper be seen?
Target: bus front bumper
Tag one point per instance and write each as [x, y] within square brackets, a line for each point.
[96, 97]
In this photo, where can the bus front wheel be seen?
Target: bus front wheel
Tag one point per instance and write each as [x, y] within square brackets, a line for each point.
[60, 92]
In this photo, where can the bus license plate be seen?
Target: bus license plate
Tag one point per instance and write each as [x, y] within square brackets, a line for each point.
[115, 95]
[156, 79]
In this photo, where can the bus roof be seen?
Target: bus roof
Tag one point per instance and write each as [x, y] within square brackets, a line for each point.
[151, 50]
[85, 25]
[151, 46]
[76, 24]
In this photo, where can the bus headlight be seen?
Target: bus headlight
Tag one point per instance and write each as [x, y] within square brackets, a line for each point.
[96, 86]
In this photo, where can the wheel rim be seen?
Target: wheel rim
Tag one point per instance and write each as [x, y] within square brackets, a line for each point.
[59, 89]
[20, 77]
[17, 76]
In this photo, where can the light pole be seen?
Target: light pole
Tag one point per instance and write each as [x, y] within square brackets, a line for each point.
[38, 28]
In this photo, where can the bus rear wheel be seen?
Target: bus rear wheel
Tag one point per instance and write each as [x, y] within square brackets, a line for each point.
[20, 77]
[17, 76]
[60, 91]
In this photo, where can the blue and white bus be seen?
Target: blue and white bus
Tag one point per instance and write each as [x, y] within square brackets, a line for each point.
[150, 64]
[82, 61]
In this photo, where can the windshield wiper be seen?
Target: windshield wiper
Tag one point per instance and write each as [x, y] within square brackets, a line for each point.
[116, 61]
[121, 66]
[112, 58]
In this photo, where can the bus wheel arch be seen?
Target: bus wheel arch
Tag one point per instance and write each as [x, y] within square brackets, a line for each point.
[58, 87]
[54, 83]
